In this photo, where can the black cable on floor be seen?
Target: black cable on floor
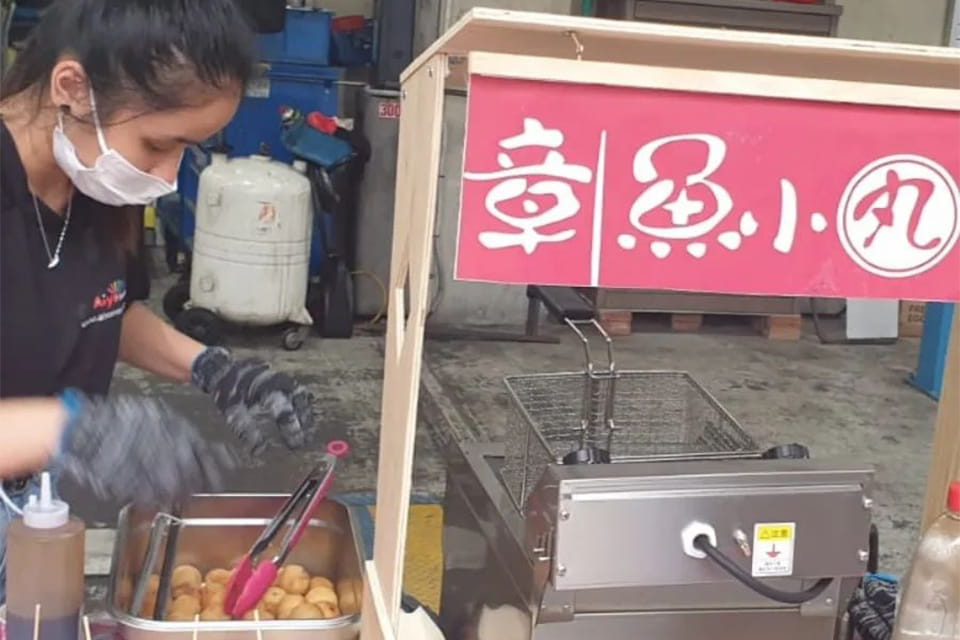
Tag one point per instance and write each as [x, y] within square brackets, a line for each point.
[702, 543]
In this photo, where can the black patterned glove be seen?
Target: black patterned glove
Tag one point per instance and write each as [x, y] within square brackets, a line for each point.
[258, 402]
[136, 449]
[873, 608]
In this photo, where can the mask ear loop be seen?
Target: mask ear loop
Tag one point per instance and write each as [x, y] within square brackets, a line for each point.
[96, 121]
[61, 110]
[9, 503]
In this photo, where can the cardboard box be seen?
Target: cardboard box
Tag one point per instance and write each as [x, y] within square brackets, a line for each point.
[911, 318]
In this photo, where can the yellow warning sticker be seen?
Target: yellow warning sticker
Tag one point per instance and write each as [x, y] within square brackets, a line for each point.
[771, 532]
[773, 547]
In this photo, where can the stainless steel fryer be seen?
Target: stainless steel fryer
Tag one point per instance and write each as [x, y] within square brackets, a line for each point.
[538, 548]
[216, 530]
[597, 554]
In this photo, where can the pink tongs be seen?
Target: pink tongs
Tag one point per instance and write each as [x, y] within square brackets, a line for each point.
[248, 584]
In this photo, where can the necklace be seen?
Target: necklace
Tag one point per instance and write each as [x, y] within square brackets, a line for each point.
[54, 257]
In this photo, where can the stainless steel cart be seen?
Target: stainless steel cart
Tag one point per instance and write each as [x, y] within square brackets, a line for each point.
[539, 549]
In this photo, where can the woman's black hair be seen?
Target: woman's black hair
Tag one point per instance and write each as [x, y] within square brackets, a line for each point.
[140, 54]
[158, 52]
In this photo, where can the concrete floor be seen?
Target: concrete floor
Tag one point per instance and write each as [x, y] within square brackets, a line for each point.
[843, 401]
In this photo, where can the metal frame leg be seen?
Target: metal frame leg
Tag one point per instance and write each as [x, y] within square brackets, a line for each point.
[533, 317]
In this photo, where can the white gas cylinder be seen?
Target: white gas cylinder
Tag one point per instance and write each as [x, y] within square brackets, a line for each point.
[251, 253]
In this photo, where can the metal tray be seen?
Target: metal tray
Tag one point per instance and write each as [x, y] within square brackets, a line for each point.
[216, 531]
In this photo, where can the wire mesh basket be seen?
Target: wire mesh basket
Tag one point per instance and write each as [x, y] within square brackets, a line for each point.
[633, 415]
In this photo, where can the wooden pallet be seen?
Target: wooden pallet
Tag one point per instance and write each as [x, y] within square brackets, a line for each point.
[774, 327]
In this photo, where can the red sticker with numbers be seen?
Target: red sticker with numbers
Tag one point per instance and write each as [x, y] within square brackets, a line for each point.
[614, 187]
[389, 109]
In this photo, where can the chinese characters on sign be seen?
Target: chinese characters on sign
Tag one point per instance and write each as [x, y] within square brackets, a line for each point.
[602, 186]
[512, 182]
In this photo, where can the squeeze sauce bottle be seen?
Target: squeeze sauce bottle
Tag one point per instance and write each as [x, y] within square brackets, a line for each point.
[45, 564]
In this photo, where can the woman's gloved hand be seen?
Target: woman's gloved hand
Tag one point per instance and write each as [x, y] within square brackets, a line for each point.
[260, 404]
[136, 449]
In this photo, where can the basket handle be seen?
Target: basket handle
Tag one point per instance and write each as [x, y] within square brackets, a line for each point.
[585, 342]
[598, 401]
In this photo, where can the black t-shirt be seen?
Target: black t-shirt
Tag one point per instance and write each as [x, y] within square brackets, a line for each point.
[59, 328]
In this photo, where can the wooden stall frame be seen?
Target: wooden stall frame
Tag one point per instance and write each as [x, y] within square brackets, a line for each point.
[416, 197]
[945, 463]
[630, 54]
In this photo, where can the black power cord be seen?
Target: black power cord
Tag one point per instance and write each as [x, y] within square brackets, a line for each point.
[702, 543]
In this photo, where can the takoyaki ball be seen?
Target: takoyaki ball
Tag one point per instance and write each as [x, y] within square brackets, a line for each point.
[186, 580]
[329, 611]
[218, 576]
[214, 594]
[178, 616]
[323, 594]
[186, 604]
[288, 604]
[306, 611]
[295, 579]
[272, 599]
[320, 581]
[213, 614]
[263, 614]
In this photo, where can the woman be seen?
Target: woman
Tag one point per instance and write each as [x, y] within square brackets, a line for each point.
[94, 118]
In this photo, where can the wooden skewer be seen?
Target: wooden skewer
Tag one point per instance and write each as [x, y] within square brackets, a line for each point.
[36, 622]
[86, 628]
[256, 618]
[196, 626]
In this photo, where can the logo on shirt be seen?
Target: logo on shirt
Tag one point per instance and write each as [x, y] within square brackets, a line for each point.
[108, 304]
[113, 297]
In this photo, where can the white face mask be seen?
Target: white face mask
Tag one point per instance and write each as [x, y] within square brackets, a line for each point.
[112, 180]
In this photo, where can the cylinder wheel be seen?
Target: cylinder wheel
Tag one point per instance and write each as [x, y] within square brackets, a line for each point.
[201, 325]
[175, 300]
[293, 338]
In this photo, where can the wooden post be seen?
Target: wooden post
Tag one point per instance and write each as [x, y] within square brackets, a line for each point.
[376, 623]
[418, 167]
[945, 467]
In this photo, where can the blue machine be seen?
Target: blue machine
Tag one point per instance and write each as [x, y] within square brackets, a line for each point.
[307, 88]
[195, 160]
[293, 73]
[937, 323]
[322, 149]
[305, 38]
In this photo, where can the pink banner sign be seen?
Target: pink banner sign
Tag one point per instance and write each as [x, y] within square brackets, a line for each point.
[578, 185]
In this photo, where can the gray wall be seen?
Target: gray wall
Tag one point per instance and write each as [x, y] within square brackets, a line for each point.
[914, 21]
[464, 302]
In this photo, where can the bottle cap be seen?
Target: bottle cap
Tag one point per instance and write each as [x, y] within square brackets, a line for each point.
[953, 497]
[43, 512]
